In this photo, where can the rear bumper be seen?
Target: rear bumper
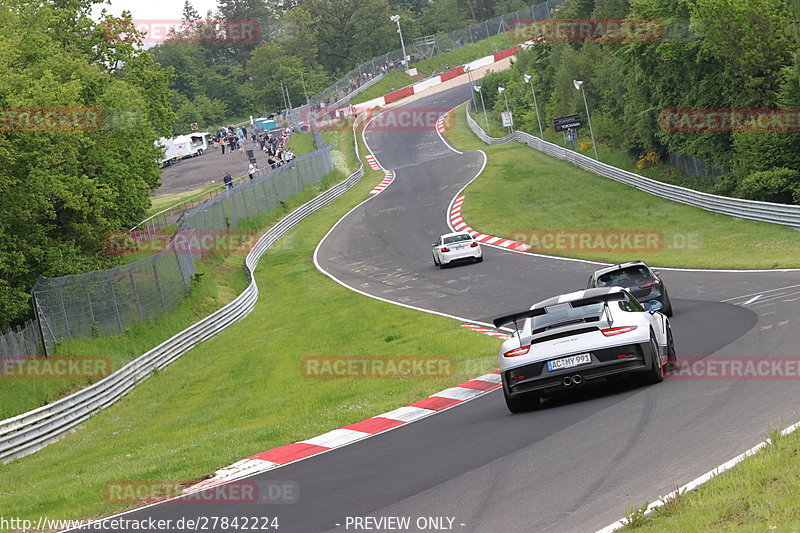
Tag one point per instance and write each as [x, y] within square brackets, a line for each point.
[457, 255]
[536, 378]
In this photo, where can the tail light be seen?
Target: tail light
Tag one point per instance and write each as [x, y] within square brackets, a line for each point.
[445, 249]
[650, 284]
[473, 245]
[610, 332]
[522, 350]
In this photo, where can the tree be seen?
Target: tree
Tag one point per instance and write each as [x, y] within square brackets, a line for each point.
[62, 190]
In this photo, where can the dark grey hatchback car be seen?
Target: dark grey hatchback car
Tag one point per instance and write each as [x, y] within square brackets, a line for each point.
[643, 282]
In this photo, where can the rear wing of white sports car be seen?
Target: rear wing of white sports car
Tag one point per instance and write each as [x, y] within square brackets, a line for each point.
[514, 318]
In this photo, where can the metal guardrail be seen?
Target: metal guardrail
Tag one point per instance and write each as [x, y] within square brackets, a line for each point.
[29, 432]
[783, 214]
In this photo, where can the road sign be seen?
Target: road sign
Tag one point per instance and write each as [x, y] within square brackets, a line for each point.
[564, 123]
[508, 119]
[194, 126]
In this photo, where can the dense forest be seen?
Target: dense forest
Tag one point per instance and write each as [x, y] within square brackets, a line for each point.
[305, 44]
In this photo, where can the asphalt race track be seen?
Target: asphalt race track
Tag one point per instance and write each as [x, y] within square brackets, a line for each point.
[576, 464]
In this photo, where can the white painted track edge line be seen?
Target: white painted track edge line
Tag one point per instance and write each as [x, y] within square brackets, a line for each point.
[700, 480]
[246, 476]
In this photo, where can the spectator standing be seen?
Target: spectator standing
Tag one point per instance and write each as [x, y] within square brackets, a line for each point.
[251, 170]
[228, 181]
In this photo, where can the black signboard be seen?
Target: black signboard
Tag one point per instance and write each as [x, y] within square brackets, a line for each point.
[564, 123]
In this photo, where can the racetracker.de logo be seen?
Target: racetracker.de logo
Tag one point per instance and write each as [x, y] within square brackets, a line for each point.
[735, 368]
[694, 120]
[157, 31]
[586, 240]
[51, 119]
[193, 242]
[56, 367]
[415, 366]
[406, 118]
[586, 30]
[227, 493]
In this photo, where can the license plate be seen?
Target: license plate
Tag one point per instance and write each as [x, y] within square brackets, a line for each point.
[569, 362]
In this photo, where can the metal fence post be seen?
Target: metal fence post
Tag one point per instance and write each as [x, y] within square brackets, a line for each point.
[116, 307]
[158, 285]
[135, 295]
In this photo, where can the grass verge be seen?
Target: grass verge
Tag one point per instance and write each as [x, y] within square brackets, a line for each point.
[302, 143]
[758, 494]
[528, 196]
[243, 391]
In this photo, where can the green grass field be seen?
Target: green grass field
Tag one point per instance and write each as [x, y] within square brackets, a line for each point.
[759, 494]
[244, 392]
[302, 143]
[525, 195]
[394, 79]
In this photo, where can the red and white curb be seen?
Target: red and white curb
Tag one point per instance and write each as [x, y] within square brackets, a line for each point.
[440, 124]
[373, 163]
[485, 331]
[337, 438]
[426, 84]
[459, 225]
[388, 178]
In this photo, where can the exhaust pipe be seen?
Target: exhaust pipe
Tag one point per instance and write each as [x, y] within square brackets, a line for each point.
[577, 379]
[567, 381]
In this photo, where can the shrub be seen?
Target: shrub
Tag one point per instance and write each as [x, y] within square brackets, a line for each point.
[781, 185]
[650, 159]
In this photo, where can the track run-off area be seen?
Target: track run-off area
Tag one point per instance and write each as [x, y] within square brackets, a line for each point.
[577, 463]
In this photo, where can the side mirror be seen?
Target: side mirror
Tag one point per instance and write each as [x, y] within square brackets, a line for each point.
[433, 245]
[653, 306]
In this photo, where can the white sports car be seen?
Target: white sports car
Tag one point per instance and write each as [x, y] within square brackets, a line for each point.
[456, 246]
[572, 339]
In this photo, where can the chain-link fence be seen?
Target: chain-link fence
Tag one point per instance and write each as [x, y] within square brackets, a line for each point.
[349, 85]
[17, 343]
[110, 301]
[695, 167]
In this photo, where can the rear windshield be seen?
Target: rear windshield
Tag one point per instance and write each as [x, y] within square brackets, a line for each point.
[457, 238]
[626, 277]
[564, 312]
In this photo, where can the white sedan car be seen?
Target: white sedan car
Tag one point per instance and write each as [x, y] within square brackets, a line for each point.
[454, 247]
[573, 339]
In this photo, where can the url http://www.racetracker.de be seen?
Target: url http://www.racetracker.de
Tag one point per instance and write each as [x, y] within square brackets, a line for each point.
[197, 523]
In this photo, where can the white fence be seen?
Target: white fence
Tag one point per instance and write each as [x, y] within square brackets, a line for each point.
[787, 215]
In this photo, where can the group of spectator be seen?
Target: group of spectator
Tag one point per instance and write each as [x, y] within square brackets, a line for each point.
[273, 143]
[233, 138]
[275, 147]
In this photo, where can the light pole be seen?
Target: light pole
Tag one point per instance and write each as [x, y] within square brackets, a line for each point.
[485, 118]
[502, 90]
[471, 84]
[579, 85]
[529, 79]
[396, 19]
